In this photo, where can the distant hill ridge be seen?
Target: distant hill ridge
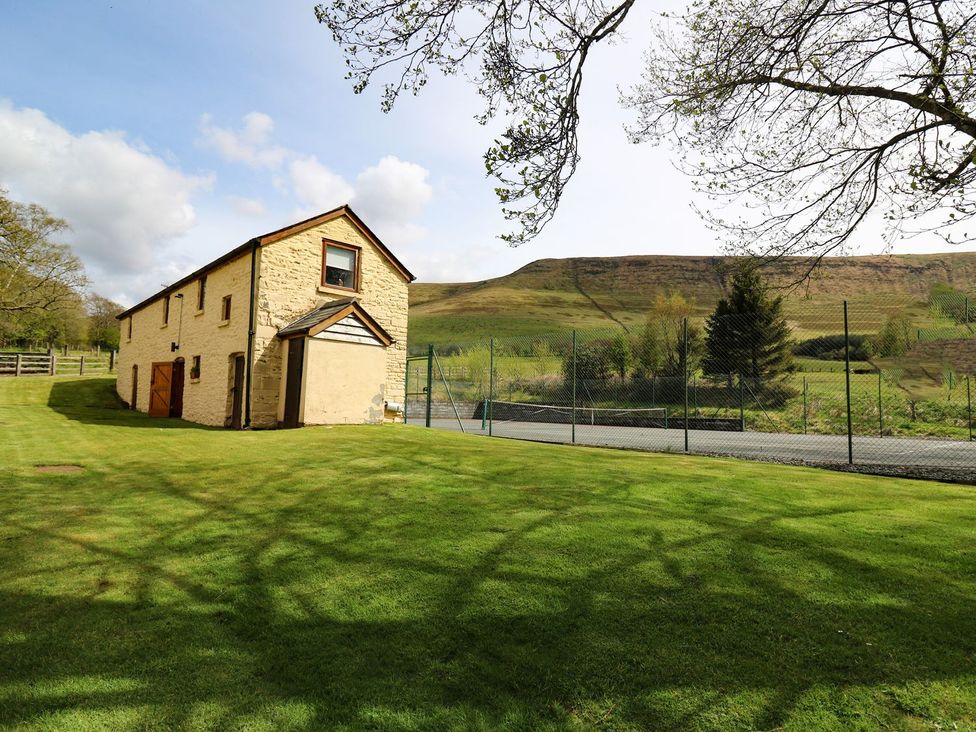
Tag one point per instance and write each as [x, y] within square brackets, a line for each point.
[584, 292]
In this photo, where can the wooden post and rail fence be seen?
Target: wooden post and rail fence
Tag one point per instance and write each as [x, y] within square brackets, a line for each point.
[57, 364]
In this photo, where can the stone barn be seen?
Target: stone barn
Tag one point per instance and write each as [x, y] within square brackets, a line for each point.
[303, 325]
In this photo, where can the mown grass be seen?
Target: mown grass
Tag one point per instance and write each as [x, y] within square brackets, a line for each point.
[398, 578]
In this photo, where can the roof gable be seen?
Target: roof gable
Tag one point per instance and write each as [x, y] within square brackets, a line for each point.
[272, 237]
[336, 213]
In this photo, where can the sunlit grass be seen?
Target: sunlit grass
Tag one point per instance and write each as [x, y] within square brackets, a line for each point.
[399, 578]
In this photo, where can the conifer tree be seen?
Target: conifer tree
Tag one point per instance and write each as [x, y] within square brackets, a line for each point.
[747, 335]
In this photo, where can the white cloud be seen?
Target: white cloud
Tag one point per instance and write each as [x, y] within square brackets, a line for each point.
[249, 145]
[248, 206]
[121, 201]
[391, 195]
[316, 187]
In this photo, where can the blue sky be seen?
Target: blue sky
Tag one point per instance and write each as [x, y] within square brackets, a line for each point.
[169, 132]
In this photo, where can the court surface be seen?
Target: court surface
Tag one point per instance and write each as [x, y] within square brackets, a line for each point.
[888, 451]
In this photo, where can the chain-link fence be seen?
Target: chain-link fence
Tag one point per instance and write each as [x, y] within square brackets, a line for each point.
[826, 384]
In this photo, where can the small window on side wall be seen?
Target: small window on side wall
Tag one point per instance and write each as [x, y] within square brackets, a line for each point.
[201, 292]
[340, 266]
[225, 308]
[129, 336]
[195, 368]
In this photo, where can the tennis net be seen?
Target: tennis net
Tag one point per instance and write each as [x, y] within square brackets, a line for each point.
[503, 412]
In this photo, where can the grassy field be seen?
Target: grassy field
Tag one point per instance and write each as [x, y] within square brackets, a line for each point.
[399, 578]
[557, 296]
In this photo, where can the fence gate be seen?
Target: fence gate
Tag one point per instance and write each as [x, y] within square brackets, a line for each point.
[420, 386]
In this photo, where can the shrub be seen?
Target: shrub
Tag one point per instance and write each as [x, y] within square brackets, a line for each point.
[831, 348]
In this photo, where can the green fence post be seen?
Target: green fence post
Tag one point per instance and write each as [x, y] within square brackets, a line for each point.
[684, 338]
[484, 414]
[804, 405]
[430, 382]
[574, 388]
[969, 408]
[880, 408]
[742, 404]
[847, 380]
[491, 383]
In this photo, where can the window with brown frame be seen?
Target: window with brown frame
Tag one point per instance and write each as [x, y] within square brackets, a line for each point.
[201, 292]
[130, 328]
[195, 368]
[340, 266]
[225, 308]
[166, 310]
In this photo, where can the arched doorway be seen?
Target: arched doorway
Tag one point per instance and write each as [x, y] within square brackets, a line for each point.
[135, 387]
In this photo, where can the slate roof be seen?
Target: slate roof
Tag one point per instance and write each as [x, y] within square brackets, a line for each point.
[307, 322]
[313, 318]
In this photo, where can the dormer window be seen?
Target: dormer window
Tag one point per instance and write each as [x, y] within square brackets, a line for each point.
[340, 266]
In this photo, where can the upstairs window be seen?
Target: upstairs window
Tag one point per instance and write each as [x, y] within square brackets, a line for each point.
[130, 328]
[340, 266]
[166, 310]
[201, 292]
[225, 308]
[195, 368]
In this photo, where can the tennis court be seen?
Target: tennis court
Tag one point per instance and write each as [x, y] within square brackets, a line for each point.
[592, 388]
[546, 425]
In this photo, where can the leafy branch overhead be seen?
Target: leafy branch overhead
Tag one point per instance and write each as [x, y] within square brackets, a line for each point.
[811, 114]
[807, 115]
[526, 58]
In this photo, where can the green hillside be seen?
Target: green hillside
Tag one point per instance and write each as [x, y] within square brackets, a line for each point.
[588, 292]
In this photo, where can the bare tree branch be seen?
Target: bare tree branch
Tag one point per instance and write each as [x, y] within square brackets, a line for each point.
[742, 89]
[800, 119]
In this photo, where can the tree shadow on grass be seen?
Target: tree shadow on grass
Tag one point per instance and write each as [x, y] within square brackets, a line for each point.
[94, 401]
[316, 613]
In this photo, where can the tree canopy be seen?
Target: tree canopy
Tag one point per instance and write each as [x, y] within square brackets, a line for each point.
[659, 346]
[36, 273]
[43, 297]
[809, 114]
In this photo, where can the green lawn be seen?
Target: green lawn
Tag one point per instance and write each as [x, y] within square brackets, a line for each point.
[398, 578]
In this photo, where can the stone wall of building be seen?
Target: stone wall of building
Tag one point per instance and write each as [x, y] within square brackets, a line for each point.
[289, 285]
[204, 333]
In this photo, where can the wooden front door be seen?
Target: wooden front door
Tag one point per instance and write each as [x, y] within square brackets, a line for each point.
[176, 391]
[293, 382]
[237, 393]
[160, 389]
